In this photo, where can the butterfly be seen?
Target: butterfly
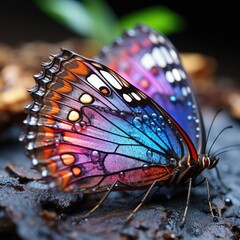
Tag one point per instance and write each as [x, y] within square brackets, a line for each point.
[127, 120]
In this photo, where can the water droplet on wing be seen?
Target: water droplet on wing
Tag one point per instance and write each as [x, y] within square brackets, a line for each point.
[95, 156]
[137, 122]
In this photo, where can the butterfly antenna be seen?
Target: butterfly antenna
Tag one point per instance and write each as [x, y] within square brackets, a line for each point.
[220, 179]
[216, 153]
[224, 129]
[210, 128]
[219, 152]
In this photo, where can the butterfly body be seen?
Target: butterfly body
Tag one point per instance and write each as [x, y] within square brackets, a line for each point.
[88, 129]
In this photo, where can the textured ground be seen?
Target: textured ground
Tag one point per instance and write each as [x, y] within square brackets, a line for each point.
[29, 211]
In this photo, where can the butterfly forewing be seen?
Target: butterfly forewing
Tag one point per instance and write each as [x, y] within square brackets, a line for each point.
[88, 127]
[150, 62]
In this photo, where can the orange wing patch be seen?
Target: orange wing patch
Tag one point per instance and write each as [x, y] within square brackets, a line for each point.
[69, 76]
[80, 69]
[66, 87]
[51, 165]
[55, 108]
[63, 178]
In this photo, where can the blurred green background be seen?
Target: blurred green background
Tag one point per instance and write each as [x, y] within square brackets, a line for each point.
[192, 26]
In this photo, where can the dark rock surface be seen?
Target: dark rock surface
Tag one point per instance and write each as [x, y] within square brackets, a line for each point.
[29, 211]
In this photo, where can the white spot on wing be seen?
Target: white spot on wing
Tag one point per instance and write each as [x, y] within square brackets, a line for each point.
[147, 61]
[188, 89]
[96, 81]
[86, 98]
[174, 56]
[127, 98]
[97, 64]
[44, 173]
[136, 96]
[73, 116]
[142, 95]
[131, 32]
[34, 161]
[158, 57]
[161, 39]
[153, 38]
[112, 80]
[169, 77]
[166, 55]
[184, 91]
[176, 74]
[182, 73]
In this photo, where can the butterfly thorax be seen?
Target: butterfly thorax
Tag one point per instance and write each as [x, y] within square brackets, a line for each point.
[186, 170]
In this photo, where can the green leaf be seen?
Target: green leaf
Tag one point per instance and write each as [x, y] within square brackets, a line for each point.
[96, 20]
[93, 19]
[70, 13]
[103, 18]
[158, 17]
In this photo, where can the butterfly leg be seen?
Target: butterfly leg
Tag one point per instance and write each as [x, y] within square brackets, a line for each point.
[187, 203]
[209, 201]
[188, 200]
[142, 201]
[101, 201]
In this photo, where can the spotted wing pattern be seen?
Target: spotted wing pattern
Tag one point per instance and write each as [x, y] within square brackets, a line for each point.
[150, 62]
[88, 127]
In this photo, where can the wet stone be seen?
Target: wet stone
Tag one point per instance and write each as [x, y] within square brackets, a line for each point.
[228, 202]
[61, 202]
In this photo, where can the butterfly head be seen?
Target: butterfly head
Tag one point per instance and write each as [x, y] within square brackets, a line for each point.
[208, 162]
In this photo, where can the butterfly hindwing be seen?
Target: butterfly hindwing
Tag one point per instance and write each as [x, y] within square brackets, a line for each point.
[88, 127]
[150, 62]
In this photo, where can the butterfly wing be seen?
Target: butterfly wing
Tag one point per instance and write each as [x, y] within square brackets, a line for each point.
[150, 62]
[88, 127]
